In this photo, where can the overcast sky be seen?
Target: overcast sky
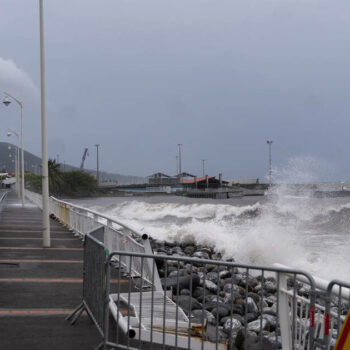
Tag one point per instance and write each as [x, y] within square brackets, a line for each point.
[219, 76]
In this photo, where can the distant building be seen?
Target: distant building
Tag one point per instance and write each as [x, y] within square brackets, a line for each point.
[243, 182]
[204, 182]
[160, 179]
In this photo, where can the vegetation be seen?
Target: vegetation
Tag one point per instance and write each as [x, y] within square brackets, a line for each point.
[71, 183]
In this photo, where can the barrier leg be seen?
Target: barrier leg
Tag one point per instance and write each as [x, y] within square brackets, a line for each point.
[73, 317]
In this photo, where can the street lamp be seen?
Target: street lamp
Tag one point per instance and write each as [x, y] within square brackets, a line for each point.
[45, 168]
[9, 133]
[97, 165]
[270, 161]
[6, 101]
[203, 161]
[180, 145]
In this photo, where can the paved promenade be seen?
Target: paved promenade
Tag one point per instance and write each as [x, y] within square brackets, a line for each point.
[39, 287]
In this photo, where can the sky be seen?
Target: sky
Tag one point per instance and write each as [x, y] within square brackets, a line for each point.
[220, 77]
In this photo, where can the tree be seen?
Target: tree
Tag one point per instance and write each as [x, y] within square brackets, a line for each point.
[55, 176]
[70, 183]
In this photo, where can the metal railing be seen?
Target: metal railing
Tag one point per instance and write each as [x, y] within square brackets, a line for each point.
[332, 304]
[117, 235]
[336, 308]
[223, 304]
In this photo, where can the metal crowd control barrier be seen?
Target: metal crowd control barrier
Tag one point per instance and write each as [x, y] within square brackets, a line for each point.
[248, 314]
[336, 308]
[93, 282]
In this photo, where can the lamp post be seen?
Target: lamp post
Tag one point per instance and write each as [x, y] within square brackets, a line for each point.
[270, 161]
[177, 165]
[9, 133]
[179, 145]
[6, 102]
[45, 169]
[203, 161]
[97, 165]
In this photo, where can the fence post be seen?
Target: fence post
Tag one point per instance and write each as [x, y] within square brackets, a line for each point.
[283, 308]
[148, 250]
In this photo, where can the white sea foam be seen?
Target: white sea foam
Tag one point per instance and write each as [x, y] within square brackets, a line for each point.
[284, 230]
[291, 228]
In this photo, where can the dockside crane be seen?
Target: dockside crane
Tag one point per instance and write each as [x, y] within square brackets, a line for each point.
[86, 153]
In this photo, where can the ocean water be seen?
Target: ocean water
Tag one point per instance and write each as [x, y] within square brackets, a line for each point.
[296, 230]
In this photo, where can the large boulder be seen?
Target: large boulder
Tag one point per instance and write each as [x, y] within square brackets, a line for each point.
[184, 282]
[187, 303]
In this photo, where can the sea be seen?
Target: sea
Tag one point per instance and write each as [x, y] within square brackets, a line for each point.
[285, 226]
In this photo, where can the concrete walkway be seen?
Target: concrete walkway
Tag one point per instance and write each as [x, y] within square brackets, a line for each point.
[39, 287]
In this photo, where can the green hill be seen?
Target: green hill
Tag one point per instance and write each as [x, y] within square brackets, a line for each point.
[32, 163]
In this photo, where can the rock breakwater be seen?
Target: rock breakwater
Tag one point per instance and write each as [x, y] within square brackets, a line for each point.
[237, 307]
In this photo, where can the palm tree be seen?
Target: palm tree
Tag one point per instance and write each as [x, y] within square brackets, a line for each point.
[55, 176]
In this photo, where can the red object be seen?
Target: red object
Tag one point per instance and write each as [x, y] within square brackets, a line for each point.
[312, 316]
[326, 324]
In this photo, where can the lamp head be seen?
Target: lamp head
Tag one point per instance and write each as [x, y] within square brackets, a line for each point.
[9, 133]
[6, 101]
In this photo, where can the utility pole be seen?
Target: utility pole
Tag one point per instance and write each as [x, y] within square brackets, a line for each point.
[97, 166]
[180, 145]
[270, 161]
[44, 166]
[203, 161]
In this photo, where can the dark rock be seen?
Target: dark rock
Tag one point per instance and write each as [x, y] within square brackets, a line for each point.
[250, 305]
[198, 292]
[270, 310]
[272, 320]
[209, 267]
[187, 303]
[237, 309]
[254, 296]
[270, 287]
[235, 316]
[244, 341]
[220, 312]
[184, 282]
[232, 326]
[185, 292]
[250, 317]
[272, 339]
[228, 287]
[202, 298]
[200, 315]
[200, 255]
[225, 274]
[213, 304]
[272, 299]
[222, 294]
[234, 295]
[251, 281]
[211, 286]
[212, 276]
[206, 251]
[216, 256]
[181, 272]
[257, 326]
[189, 250]
[213, 298]
[215, 334]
